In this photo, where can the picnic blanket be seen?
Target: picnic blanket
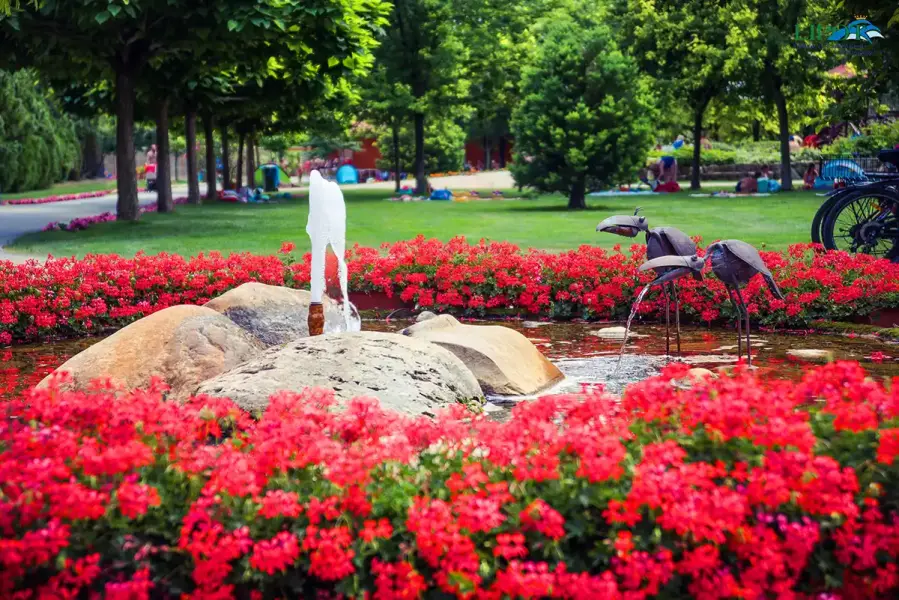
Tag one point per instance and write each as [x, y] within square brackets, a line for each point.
[726, 195]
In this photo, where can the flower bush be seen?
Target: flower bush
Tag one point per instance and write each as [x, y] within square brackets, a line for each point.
[729, 488]
[82, 223]
[58, 198]
[69, 297]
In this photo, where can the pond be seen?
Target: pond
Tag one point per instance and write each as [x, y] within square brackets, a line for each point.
[578, 349]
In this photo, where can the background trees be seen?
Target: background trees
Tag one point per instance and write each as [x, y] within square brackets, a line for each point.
[585, 118]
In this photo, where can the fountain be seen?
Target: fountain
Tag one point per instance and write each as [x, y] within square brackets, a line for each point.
[327, 225]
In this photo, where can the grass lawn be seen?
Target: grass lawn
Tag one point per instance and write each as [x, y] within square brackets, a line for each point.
[68, 187]
[773, 222]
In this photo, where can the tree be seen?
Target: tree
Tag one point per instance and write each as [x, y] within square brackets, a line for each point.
[112, 41]
[444, 146]
[386, 105]
[586, 113]
[774, 62]
[687, 47]
[422, 49]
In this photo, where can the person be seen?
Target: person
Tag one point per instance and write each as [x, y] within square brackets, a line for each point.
[667, 169]
[705, 143]
[679, 142]
[795, 144]
[811, 175]
[749, 184]
[151, 155]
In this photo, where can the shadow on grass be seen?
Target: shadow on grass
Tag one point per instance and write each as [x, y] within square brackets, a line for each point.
[554, 208]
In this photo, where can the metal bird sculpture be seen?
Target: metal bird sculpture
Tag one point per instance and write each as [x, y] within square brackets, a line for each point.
[733, 262]
[660, 242]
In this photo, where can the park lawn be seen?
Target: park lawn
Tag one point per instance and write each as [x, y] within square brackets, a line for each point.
[772, 222]
[68, 187]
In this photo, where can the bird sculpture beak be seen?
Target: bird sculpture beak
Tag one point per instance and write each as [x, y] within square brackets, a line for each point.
[669, 261]
[614, 225]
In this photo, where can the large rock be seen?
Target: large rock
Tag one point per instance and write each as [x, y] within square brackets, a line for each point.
[276, 315]
[407, 375]
[183, 345]
[504, 361]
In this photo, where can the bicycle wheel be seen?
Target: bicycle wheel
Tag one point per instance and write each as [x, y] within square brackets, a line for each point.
[820, 217]
[864, 222]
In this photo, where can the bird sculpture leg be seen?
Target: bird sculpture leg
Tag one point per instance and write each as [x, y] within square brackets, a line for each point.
[733, 300]
[676, 314]
[746, 312]
[668, 319]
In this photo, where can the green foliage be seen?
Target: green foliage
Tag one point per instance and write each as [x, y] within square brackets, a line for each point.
[444, 147]
[38, 143]
[586, 115]
[875, 137]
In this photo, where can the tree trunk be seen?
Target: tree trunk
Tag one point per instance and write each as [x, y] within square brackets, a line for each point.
[241, 139]
[226, 158]
[91, 157]
[177, 159]
[421, 180]
[193, 184]
[209, 131]
[502, 152]
[127, 208]
[488, 153]
[786, 174]
[756, 130]
[577, 200]
[697, 147]
[396, 155]
[164, 201]
[251, 158]
[256, 150]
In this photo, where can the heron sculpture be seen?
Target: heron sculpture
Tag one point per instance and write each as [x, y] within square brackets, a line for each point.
[733, 262]
[660, 242]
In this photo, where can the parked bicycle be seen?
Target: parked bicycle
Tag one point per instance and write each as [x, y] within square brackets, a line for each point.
[863, 216]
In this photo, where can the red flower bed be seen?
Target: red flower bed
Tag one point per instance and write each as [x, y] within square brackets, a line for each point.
[66, 297]
[59, 198]
[734, 488]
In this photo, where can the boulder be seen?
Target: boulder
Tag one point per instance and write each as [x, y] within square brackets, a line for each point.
[183, 345]
[424, 316]
[615, 333]
[275, 315]
[505, 362]
[407, 375]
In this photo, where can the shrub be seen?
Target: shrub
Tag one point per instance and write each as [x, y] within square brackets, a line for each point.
[684, 156]
[735, 487]
[70, 297]
[38, 145]
[444, 147]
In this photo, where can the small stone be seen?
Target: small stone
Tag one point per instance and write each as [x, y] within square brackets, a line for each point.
[615, 333]
[811, 354]
[534, 324]
[700, 373]
[424, 316]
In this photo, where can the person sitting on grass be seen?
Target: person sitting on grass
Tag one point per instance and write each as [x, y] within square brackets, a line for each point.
[750, 184]
[811, 174]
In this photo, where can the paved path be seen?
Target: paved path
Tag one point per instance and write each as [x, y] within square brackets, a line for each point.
[16, 220]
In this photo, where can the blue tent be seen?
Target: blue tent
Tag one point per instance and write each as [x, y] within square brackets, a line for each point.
[842, 169]
[347, 174]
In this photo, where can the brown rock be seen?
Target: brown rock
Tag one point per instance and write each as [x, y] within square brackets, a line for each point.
[183, 345]
[504, 361]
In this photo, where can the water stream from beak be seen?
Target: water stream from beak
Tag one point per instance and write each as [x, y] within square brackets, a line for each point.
[630, 319]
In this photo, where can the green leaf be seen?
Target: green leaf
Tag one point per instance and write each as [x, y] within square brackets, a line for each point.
[102, 17]
[333, 61]
[233, 25]
[348, 62]
[114, 9]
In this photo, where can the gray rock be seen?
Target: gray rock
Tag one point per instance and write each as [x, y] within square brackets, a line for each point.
[275, 315]
[407, 375]
[424, 316]
[615, 333]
